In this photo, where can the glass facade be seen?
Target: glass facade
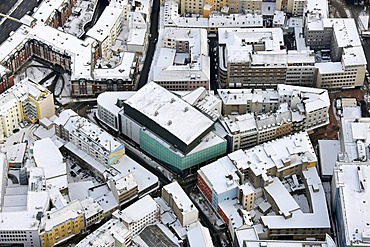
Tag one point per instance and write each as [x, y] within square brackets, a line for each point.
[174, 158]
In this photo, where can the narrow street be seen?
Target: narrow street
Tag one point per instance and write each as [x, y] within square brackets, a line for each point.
[152, 43]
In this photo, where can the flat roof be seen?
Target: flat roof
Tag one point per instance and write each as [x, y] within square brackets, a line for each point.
[354, 56]
[318, 218]
[330, 67]
[131, 214]
[46, 9]
[37, 201]
[144, 178]
[108, 100]
[271, 37]
[350, 178]
[345, 31]
[105, 234]
[216, 172]
[122, 71]
[199, 236]
[79, 190]
[136, 37]
[164, 108]
[284, 201]
[48, 157]
[14, 153]
[328, 159]
[102, 28]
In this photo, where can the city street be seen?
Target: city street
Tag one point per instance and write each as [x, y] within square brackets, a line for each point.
[152, 43]
[19, 12]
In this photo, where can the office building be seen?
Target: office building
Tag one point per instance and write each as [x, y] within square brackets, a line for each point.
[209, 21]
[20, 223]
[348, 63]
[258, 58]
[349, 199]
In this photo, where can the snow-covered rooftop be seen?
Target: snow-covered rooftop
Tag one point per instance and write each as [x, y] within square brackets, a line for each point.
[107, 20]
[199, 236]
[172, 18]
[37, 201]
[48, 157]
[56, 217]
[170, 112]
[182, 201]
[131, 214]
[353, 186]
[107, 234]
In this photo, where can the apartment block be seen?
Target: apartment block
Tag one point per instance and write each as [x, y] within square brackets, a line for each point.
[106, 30]
[60, 224]
[25, 101]
[135, 220]
[209, 21]
[54, 13]
[183, 62]
[254, 116]
[88, 137]
[180, 203]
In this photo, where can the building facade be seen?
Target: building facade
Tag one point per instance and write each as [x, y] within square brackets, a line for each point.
[26, 101]
[157, 128]
[88, 137]
[180, 203]
[255, 116]
[61, 224]
[183, 64]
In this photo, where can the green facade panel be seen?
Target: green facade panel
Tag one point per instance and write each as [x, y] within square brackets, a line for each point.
[175, 159]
